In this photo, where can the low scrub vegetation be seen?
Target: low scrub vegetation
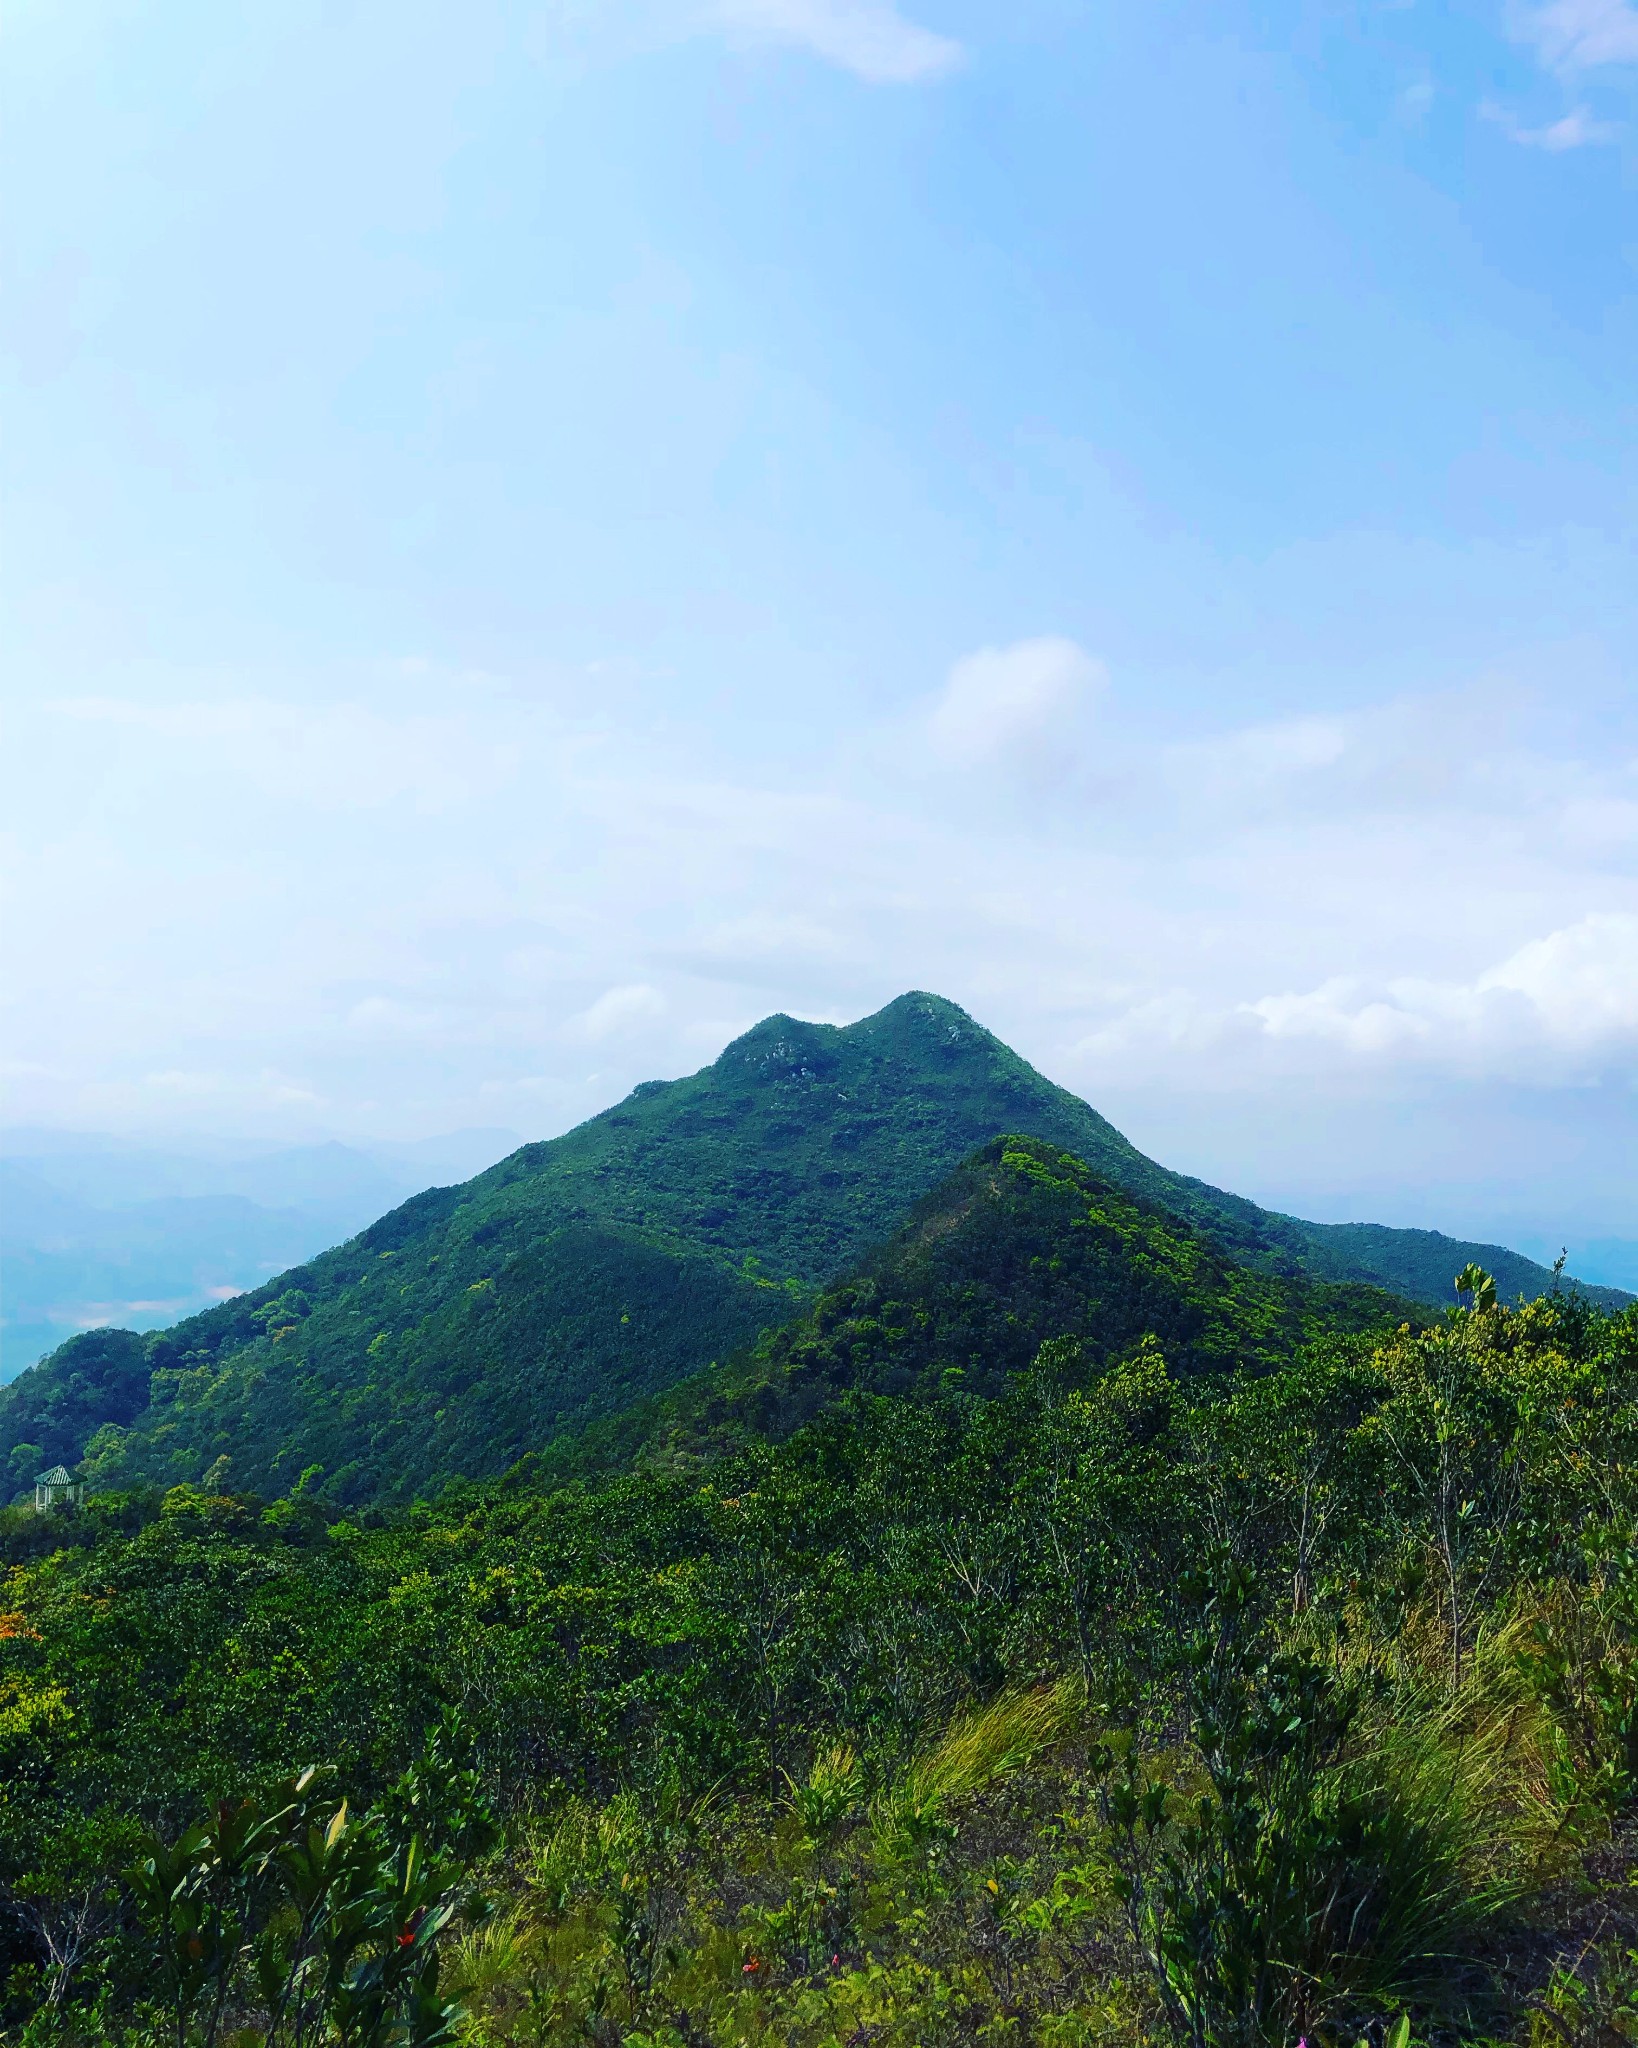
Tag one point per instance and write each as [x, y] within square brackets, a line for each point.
[1108, 1705]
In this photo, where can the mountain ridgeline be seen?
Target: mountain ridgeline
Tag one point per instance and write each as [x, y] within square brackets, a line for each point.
[584, 1277]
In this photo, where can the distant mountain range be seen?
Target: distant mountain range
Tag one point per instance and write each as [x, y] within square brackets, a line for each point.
[477, 1324]
[94, 1230]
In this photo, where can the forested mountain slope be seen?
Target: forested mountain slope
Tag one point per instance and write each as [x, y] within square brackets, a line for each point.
[100, 1376]
[1021, 1246]
[590, 1271]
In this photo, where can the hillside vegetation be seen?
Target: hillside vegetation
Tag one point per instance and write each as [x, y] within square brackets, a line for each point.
[475, 1324]
[1059, 1633]
[1023, 1244]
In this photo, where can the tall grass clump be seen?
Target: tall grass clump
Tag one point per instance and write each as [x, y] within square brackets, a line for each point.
[1328, 1847]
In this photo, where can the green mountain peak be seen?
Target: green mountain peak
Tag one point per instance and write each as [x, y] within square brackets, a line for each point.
[584, 1273]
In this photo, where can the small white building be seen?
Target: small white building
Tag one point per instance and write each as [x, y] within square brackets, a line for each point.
[55, 1489]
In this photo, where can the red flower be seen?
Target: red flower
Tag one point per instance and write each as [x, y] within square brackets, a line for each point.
[752, 1966]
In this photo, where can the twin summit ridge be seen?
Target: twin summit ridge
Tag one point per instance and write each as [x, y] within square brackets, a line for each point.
[902, 1203]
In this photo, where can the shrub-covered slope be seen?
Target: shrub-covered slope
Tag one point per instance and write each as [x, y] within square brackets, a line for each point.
[1131, 1708]
[587, 1272]
[1021, 1245]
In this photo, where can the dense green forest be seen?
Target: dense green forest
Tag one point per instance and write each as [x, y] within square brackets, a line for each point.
[476, 1324]
[1023, 1243]
[1056, 1631]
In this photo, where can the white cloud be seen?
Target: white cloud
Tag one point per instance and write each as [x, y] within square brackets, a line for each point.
[233, 1090]
[1559, 1010]
[1415, 101]
[765, 941]
[1002, 698]
[1574, 992]
[1602, 823]
[387, 1018]
[618, 1012]
[1574, 130]
[1429, 887]
[870, 38]
[1260, 756]
[331, 755]
[1582, 35]
[1583, 982]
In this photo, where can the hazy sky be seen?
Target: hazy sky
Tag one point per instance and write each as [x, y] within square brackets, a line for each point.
[536, 535]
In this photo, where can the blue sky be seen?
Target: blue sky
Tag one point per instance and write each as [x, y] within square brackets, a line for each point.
[536, 535]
